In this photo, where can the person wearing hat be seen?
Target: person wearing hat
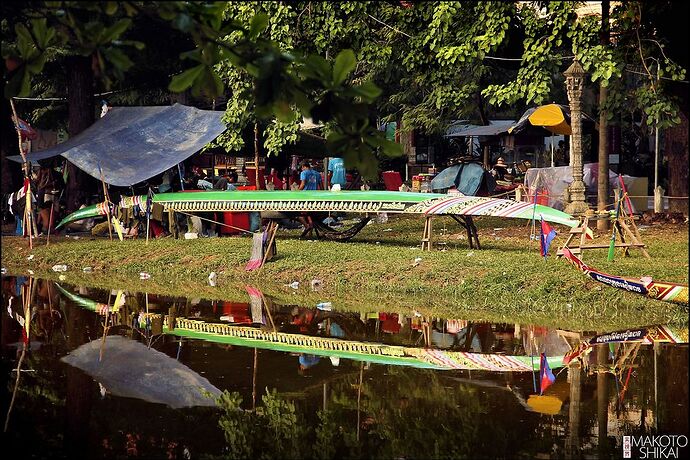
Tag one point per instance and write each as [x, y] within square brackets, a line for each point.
[500, 168]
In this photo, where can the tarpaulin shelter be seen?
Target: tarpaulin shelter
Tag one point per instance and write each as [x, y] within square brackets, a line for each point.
[548, 120]
[552, 182]
[554, 118]
[132, 144]
[130, 369]
[463, 129]
[467, 178]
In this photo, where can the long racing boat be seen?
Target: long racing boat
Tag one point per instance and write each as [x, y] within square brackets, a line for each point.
[379, 353]
[358, 202]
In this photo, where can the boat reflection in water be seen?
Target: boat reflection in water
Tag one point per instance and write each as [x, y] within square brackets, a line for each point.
[311, 382]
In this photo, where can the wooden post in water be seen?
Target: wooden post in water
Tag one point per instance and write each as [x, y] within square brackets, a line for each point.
[359, 396]
[256, 362]
[572, 443]
[656, 351]
[602, 399]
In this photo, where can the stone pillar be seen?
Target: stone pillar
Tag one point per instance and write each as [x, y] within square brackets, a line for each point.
[575, 82]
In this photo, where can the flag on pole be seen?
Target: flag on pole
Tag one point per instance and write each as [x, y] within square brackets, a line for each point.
[546, 237]
[25, 129]
[149, 203]
[546, 377]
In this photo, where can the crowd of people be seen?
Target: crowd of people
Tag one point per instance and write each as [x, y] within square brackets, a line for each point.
[48, 186]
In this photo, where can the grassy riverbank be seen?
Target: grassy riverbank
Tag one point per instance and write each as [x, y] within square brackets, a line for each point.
[504, 281]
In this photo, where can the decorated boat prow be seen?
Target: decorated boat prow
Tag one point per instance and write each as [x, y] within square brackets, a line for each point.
[647, 335]
[668, 292]
[98, 307]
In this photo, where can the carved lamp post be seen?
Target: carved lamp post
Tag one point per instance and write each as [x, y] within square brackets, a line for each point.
[575, 82]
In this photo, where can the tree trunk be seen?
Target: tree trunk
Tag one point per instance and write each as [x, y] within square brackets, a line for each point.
[11, 170]
[256, 155]
[80, 84]
[480, 109]
[603, 177]
[676, 152]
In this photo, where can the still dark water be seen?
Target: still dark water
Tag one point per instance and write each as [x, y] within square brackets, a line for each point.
[124, 400]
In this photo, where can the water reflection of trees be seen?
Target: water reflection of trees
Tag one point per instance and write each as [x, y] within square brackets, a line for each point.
[404, 414]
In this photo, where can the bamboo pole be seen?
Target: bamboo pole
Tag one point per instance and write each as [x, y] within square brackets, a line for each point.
[149, 204]
[107, 203]
[148, 335]
[273, 230]
[50, 221]
[268, 311]
[26, 227]
[27, 209]
[27, 295]
[256, 154]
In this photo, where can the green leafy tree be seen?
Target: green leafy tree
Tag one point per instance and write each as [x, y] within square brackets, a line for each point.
[282, 82]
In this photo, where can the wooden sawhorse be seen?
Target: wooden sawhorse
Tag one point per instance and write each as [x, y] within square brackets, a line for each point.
[465, 221]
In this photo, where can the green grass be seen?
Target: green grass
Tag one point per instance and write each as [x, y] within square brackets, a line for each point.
[505, 281]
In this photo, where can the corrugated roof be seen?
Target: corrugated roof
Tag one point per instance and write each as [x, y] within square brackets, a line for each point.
[464, 129]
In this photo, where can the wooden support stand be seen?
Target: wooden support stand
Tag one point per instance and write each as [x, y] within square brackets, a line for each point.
[428, 233]
[465, 221]
[271, 249]
[627, 235]
[470, 228]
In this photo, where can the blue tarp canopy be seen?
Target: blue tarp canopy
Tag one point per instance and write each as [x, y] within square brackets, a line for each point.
[467, 178]
[132, 144]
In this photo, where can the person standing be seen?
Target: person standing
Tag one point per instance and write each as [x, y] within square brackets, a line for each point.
[166, 181]
[309, 178]
[44, 184]
[336, 172]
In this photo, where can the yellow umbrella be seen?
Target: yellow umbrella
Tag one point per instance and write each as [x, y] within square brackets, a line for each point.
[552, 118]
[545, 404]
[552, 402]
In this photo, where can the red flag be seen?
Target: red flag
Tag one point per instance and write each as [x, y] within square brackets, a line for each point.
[546, 377]
[547, 236]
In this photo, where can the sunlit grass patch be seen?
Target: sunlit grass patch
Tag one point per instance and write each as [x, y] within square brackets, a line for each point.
[506, 280]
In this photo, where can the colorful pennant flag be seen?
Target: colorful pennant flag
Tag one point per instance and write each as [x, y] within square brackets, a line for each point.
[547, 236]
[25, 129]
[546, 377]
[118, 227]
